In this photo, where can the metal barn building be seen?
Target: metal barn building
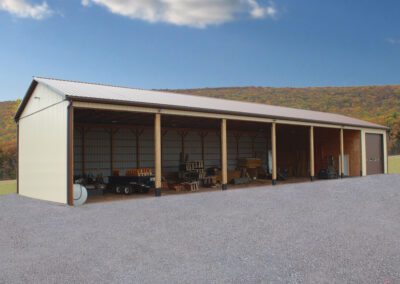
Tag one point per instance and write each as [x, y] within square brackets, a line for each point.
[71, 129]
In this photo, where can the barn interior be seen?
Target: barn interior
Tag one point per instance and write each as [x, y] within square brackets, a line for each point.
[327, 150]
[293, 152]
[114, 153]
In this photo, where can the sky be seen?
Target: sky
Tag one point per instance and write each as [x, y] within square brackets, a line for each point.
[177, 44]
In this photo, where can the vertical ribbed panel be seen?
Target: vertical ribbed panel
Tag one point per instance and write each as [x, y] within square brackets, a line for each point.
[170, 148]
[98, 152]
[212, 145]
[124, 150]
[77, 152]
[147, 149]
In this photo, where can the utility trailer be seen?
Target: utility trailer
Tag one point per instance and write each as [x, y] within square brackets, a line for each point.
[131, 184]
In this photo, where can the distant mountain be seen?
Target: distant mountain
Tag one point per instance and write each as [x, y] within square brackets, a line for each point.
[379, 104]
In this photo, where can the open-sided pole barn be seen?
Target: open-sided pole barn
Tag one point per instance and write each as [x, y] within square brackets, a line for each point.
[68, 129]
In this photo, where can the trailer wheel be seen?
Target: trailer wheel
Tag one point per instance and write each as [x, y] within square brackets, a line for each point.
[118, 189]
[127, 189]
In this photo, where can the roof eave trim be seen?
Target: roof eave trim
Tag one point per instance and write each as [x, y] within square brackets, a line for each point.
[25, 100]
[119, 102]
[28, 95]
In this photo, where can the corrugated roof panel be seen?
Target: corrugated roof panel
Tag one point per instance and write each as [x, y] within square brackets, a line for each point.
[180, 101]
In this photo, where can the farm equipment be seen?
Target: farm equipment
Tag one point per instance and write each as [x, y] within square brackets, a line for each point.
[330, 172]
[131, 184]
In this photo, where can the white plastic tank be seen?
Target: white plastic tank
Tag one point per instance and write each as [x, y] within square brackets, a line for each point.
[80, 194]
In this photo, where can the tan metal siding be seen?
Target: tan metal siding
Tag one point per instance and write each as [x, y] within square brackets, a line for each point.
[41, 98]
[43, 153]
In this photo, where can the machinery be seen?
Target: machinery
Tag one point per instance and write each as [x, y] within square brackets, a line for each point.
[330, 172]
[94, 186]
[131, 184]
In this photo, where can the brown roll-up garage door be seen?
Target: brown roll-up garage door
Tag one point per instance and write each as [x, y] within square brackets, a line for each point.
[374, 149]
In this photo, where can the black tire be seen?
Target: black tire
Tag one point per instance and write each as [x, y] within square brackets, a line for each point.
[127, 189]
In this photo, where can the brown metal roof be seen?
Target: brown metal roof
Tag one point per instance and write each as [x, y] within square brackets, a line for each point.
[122, 95]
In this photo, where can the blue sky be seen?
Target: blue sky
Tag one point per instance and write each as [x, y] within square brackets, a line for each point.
[199, 43]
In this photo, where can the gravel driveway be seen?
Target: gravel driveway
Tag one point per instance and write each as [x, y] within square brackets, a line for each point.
[340, 231]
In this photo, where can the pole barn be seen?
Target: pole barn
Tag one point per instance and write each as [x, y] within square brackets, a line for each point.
[118, 140]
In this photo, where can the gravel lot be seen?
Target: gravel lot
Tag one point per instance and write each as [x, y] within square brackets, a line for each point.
[340, 231]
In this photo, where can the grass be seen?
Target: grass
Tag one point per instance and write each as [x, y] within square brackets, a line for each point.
[394, 164]
[8, 186]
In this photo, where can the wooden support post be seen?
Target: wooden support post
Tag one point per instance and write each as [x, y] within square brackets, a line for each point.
[341, 153]
[70, 156]
[224, 156]
[157, 153]
[363, 154]
[312, 169]
[273, 144]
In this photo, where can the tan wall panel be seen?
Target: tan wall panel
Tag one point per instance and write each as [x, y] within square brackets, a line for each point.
[41, 98]
[352, 147]
[43, 154]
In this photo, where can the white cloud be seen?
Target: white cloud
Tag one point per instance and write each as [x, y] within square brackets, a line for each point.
[260, 12]
[194, 13]
[23, 9]
[393, 40]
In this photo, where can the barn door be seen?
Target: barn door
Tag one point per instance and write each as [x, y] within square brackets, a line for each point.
[374, 152]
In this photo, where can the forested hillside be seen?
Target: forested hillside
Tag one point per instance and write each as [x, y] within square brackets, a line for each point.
[8, 134]
[380, 104]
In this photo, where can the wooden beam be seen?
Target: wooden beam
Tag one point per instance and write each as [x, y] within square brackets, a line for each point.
[224, 155]
[133, 127]
[312, 168]
[136, 109]
[157, 153]
[341, 153]
[70, 156]
[273, 144]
